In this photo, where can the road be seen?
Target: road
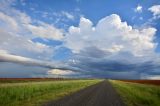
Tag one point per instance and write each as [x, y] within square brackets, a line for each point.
[100, 94]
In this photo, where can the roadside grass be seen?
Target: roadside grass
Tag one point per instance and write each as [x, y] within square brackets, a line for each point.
[135, 94]
[37, 93]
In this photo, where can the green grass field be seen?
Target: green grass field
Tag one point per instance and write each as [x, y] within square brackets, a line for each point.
[37, 93]
[135, 94]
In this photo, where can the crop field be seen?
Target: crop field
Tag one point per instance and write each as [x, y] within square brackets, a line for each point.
[50, 91]
[136, 94]
[35, 92]
[18, 80]
[152, 82]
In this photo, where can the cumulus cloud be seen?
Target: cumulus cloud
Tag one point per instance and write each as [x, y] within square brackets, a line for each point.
[110, 36]
[112, 48]
[138, 9]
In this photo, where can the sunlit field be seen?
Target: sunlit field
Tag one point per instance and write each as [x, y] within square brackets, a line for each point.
[135, 94]
[35, 93]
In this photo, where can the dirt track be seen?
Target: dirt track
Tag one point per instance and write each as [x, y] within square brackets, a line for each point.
[101, 94]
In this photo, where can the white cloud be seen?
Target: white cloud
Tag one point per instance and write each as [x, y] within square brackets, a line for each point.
[63, 17]
[150, 77]
[22, 45]
[68, 15]
[138, 9]
[8, 22]
[60, 72]
[42, 29]
[17, 30]
[155, 10]
[93, 46]
[16, 33]
[154, 77]
[115, 48]
[19, 22]
[3, 51]
[45, 31]
[111, 35]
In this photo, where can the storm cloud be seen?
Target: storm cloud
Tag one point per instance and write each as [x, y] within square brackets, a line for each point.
[109, 48]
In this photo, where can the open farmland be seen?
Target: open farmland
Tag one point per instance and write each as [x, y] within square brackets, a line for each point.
[36, 93]
[135, 94]
[19, 80]
[152, 82]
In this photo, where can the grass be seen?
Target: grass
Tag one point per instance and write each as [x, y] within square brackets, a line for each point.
[36, 93]
[135, 94]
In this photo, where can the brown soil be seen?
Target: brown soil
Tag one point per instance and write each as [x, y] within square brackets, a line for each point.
[13, 80]
[152, 82]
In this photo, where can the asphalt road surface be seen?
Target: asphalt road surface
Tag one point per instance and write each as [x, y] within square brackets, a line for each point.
[100, 94]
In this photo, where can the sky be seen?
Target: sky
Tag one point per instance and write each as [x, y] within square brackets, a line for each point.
[80, 39]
